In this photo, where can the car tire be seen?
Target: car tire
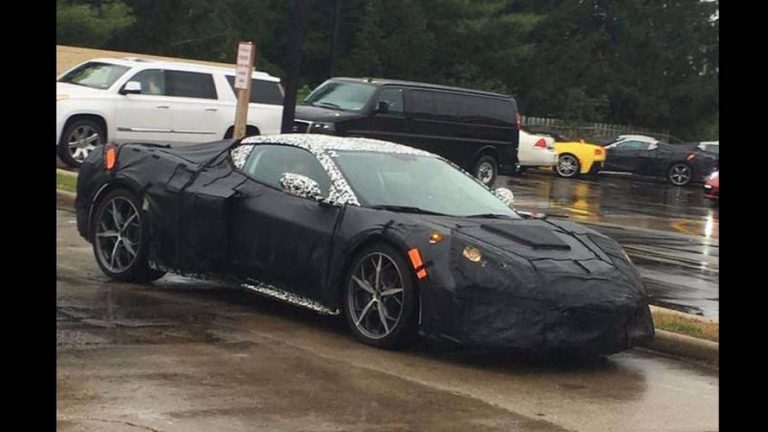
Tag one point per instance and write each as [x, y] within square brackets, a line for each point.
[78, 139]
[119, 233]
[568, 166]
[380, 315]
[680, 174]
[486, 170]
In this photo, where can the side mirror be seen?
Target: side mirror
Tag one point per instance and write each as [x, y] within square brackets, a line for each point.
[300, 186]
[505, 195]
[382, 107]
[131, 87]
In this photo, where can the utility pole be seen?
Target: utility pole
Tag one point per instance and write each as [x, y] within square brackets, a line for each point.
[334, 37]
[299, 20]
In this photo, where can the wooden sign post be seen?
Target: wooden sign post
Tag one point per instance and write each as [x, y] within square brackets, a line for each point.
[246, 51]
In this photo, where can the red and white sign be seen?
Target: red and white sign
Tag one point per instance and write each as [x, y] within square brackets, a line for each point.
[244, 65]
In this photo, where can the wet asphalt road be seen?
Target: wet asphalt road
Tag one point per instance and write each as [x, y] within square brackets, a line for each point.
[671, 233]
[185, 355]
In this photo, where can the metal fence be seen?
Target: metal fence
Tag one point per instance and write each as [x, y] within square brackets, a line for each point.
[593, 132]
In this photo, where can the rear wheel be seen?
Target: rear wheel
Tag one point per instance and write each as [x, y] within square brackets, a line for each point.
[486, 169]
[679, 174]
[120, 240]
[567, 165]
[380, 301]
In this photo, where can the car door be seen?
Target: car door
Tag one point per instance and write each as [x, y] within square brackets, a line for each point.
[626, 156]
[194, 107]
[278, 238]
[144, 117]
[390, 125]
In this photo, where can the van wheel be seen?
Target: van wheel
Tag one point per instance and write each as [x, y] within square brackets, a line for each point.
[486, 170]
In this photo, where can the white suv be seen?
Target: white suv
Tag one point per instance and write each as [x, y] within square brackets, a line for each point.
[138, 100]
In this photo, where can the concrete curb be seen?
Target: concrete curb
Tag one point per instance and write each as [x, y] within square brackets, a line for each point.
[65, 199]
[665, 341]
[686, 347]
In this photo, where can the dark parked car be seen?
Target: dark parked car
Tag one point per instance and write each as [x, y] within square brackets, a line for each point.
[396, 239]
[677, 163]
[478, 131]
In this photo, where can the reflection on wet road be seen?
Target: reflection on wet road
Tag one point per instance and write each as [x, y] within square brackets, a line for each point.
[670, 233]
[186, 355]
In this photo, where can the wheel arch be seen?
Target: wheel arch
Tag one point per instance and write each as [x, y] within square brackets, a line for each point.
[117, 183]
[97, 118]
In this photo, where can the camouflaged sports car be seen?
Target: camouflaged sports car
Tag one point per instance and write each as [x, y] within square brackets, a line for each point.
[398, 240]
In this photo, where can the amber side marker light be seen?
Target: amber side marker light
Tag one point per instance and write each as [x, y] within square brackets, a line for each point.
[691, 156]
[110, 157]
[418, 265]
[436, 237]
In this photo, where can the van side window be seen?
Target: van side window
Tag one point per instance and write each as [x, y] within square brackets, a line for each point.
[394, 98]
[447, 105]
[487, 110]
[152, 82]
[262, 91]
[421, 102]
[190, 84]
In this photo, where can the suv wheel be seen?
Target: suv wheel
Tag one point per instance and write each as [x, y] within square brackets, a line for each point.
[77, 141]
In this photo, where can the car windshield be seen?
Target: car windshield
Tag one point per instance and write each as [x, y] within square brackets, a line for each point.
[342, 96]
[418, 184]
[94, 75]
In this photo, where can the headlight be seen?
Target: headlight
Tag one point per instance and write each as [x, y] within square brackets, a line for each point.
[472, 253]
[322, 127]
[61, 97]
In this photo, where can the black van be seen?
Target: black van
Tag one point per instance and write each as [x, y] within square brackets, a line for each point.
[479, 131]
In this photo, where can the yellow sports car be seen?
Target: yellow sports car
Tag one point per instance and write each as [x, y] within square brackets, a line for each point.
[577, 157]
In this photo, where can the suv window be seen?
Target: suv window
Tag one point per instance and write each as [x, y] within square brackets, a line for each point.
[152, 81]
[190, 84]
[393, 97]
[263, 92]
[268, 162]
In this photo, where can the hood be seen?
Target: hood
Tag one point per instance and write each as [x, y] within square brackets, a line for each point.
[77, 90]
[313, 113]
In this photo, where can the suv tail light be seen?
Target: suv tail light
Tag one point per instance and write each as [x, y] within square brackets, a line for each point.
[518, 121]
[541, 143]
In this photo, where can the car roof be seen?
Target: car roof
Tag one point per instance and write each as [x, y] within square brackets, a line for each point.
[385, 81]
[320, 143]
[141, 62]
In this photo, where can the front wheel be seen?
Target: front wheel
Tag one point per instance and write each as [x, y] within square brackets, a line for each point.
[78, 140]
[486, 169]
[679, 174]
[380, 301]
[120, 238]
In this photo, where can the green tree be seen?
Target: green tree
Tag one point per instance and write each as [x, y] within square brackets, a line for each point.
[91, 24]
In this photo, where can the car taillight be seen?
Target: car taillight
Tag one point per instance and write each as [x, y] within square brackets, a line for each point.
[518, 121]
[690, 156]
[541, 143]
[598, 152]
[110, 157]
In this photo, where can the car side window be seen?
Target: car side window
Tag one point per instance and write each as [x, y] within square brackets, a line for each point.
[633, 146]
[190, 84]
[394, 98]
[152, 82]
[268, 162]
[421, 102]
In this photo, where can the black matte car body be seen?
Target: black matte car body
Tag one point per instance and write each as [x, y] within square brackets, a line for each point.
[462, 125]
[657, 159]
[540, 283]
